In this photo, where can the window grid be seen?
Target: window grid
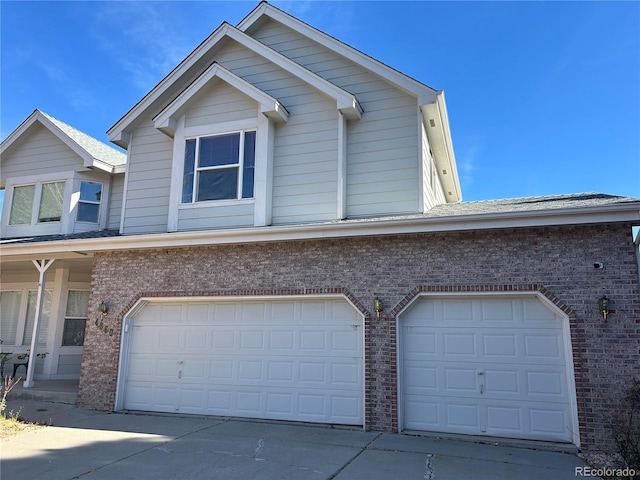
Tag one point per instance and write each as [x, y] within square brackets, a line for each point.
[194, 172]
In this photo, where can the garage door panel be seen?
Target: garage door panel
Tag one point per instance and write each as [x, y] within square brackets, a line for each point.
[282, 365]
[461, 415]
[460, 380]
[502, 311]
[500, 346]
[544, 347]
[485, 366]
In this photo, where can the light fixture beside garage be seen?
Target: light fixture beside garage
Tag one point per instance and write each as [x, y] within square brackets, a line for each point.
[604, 306]
[377, 307]
[103, 308]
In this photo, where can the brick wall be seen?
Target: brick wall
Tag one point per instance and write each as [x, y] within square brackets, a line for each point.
[556, 261]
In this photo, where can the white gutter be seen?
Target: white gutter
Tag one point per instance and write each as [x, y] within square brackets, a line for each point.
[629, 212]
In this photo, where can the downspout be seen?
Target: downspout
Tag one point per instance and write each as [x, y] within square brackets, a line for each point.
[637, 245]
[42, 266]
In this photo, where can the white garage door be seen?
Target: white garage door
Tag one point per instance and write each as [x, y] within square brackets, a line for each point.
[486, 366]
[288, 360]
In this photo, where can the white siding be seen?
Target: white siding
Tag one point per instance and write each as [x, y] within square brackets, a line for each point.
[306, 146]
[219, 216]
[383, 150]
[148, 181]
[40, 153]
[114, 207]
[220, 103]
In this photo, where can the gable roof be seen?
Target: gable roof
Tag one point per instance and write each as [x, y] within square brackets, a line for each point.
[93, 152]
[425, 93]
[166, 120]
[431, 101]
[192, 67]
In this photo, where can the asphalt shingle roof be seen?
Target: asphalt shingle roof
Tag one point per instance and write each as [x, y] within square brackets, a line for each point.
[97, 149]
[528, 204]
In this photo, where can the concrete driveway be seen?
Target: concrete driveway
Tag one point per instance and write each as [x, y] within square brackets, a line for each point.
[86, 444]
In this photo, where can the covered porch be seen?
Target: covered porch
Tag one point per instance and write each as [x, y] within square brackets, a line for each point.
[44, 302]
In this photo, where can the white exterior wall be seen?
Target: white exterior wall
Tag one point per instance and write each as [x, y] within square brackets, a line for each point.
[148, 181]
[218, 104]
[40, 153]
[383, 150]
[114, 209]
[305, 160]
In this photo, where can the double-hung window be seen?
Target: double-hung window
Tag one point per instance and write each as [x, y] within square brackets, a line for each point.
[219, 167]
[89, 202]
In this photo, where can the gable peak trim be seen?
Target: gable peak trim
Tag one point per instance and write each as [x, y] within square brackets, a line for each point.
[347, 103]
[166, 121]
[425, 93]
[62, 131]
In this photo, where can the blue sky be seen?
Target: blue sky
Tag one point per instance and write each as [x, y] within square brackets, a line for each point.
[543, 97]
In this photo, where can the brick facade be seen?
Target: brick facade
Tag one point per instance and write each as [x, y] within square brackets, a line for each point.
[558, 262]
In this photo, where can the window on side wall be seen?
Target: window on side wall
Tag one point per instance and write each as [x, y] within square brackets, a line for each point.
[219, 167]
[89, 202]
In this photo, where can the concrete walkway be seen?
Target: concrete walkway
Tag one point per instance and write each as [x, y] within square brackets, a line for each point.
[86, 444]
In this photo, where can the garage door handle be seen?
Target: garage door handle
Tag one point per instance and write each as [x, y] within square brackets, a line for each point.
[481, 388]
[180, 374]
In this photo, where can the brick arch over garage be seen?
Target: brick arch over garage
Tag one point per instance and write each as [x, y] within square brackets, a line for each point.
[245, 293]
[576, 339]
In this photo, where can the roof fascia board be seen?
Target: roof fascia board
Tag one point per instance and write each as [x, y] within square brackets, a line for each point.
[347, 103]
[269, 106]
[424, 93]
[577, 216]
[37, 116]
[118, 133]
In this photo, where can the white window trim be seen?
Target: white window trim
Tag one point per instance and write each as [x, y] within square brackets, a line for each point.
[67, 223]
[239, 165]
[76, 201]
[262, 173]
[35, 227]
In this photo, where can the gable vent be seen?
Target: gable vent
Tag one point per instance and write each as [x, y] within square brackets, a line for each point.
[444, 172]
[432, 122]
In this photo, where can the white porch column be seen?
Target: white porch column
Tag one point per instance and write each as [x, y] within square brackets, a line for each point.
[42, 266]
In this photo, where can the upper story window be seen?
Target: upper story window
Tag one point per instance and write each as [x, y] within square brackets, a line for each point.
[219, 167]
[49, 197]
[54, 204]
[89, 202]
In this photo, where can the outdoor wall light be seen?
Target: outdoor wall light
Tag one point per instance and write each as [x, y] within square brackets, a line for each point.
[603, 306]
[377, 307]
[103, 308]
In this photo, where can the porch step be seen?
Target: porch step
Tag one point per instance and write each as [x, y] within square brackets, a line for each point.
[55, 391]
